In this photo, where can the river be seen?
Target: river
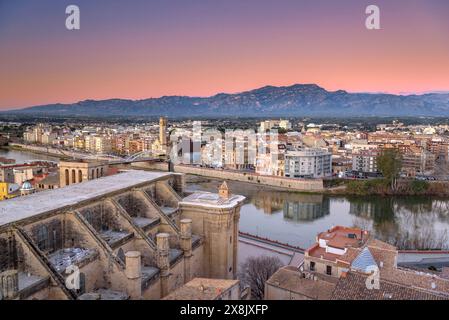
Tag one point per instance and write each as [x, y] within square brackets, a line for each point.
[295, 218]
[25, 156]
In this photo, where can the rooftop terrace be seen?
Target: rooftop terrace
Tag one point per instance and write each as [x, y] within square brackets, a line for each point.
[209, 199]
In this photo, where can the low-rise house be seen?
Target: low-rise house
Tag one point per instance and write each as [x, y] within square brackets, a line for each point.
[348, 263]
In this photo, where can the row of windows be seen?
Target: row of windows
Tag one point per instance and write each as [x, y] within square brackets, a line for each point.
[95, 173]
[42, 186]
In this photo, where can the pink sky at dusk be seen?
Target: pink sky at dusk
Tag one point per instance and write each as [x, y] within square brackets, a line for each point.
[138, 49]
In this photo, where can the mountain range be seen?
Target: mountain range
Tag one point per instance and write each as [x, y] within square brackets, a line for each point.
[288, 101]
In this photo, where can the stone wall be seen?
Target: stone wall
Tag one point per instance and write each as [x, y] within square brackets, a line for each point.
[311, 185]
[276, 293]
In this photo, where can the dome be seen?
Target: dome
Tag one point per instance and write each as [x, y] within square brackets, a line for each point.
[26, 186]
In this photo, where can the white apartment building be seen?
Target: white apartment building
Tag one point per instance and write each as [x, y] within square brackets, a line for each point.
[285, 124]
[270, 124]
[90, 143]
[365, 161]
[48, 137]
[270, 164]
[103, 144]
[308, 163]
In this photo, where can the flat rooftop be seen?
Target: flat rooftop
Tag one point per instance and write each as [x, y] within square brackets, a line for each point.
[344, 237]
[208, 199]
[20, 208]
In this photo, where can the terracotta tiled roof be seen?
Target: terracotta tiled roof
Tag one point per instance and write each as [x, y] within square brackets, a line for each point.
[372, 242]
[321, 253]
[291, 279]
[353, 287]
[416, 279]
[202, 289]
[339, 237]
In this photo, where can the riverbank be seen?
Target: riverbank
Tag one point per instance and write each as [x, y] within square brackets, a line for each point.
[58, 153]
[381, 187]
[35, 150]
[21, 155]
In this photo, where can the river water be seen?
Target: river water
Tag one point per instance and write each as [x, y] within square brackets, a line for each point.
[25, 156]
[295, 218]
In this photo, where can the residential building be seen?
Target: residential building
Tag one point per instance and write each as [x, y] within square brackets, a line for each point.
[7, 174]
[8, 190]
[416, 161]
[349, 264]
[333, 251]
[77, 171]
[103, 145]
[308, 163]
[365, 161]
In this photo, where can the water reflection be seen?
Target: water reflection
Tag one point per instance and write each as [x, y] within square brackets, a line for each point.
[377, 210]
[309, 208]
[407, 222]
[297, 207]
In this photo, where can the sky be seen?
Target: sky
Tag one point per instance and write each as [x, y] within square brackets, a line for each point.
[138, 49]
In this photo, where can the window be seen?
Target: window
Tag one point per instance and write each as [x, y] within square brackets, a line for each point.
[89, 217]
[329, 270]
[42, 238]
[312, 266]
[54, 240]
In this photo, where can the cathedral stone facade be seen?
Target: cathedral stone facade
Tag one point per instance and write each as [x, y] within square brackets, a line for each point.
[132, 235]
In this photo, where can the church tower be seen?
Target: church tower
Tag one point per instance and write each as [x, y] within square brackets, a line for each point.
[163, 131]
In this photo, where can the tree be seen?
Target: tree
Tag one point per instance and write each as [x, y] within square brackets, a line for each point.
[389, 163]
[255, 271]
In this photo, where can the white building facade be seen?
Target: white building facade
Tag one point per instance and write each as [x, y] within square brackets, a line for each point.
[308, 163]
